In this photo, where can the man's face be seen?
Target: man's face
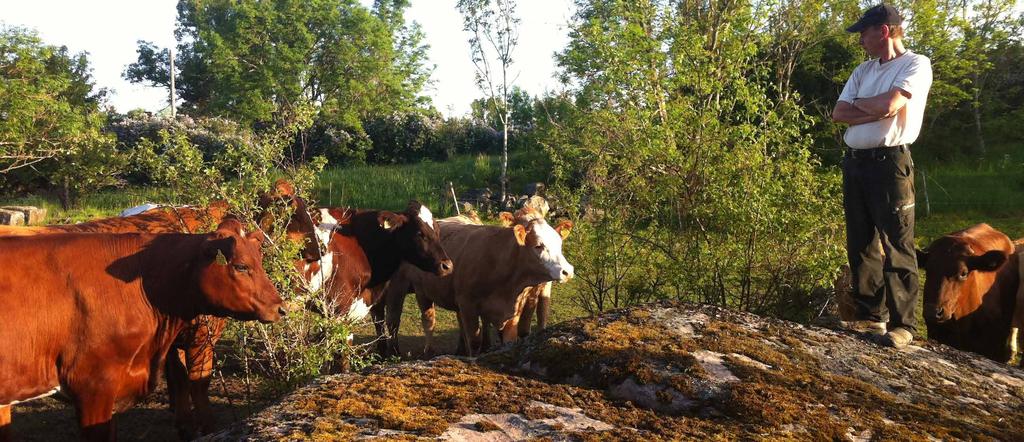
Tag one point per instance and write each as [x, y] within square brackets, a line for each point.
[873, 39]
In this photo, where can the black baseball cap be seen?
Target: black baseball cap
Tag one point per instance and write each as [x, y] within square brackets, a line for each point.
[878, 15]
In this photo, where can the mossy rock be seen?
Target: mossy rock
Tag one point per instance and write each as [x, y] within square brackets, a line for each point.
[665, 371]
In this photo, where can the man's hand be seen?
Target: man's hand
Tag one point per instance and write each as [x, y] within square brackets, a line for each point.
[847, 113]
[884, 105]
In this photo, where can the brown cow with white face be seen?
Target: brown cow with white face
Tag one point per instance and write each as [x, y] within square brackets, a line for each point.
[970, 289]
[94, 315]
[493, 268]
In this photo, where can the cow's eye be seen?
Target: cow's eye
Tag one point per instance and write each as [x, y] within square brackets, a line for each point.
[963, 274]
[539, 247]
[242, 268]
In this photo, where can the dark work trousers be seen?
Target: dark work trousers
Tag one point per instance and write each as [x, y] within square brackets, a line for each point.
[878, 199]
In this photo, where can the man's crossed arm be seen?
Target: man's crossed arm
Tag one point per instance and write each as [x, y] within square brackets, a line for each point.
[866, 110]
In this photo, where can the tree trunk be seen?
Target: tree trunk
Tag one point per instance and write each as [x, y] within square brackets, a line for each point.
[64, 194]
[504, 162]
[976, 107]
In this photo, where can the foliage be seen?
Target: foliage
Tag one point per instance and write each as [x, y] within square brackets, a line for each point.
[520, 107]
[269, 63]
[50, 121]
[303, 344]
[680, 144]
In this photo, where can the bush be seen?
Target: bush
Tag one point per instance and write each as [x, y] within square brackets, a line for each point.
[699, 181]
[303, 344]
[50, 122]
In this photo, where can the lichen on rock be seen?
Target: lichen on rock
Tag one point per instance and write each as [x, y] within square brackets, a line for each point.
[665, 371]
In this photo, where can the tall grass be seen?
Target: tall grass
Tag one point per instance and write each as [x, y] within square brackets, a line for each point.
[392, 186]
[955, 196]
[378, 187]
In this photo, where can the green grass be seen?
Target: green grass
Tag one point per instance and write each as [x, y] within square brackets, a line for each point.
[952, 197]
[98, 205]
[391, 187]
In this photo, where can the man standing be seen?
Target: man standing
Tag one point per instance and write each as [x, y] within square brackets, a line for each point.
[883, 102]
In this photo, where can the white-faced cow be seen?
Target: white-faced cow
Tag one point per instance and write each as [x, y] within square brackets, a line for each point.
[493, 268]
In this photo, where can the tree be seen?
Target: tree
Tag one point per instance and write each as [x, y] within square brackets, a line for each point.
[679, 144]
[520, 111]
[262, 63]
[494, 35]
[50, 121]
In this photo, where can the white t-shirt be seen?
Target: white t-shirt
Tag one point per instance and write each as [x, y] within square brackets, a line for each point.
[910, 72]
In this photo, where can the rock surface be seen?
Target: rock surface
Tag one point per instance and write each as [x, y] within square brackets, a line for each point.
[12, 217]
[32, 215]
[665, 371]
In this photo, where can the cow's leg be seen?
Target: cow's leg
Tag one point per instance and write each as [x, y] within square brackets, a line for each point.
[486, 337]
[378, 314]
[96, 413]
[460, 348]
[470, 329]
[200, 360]
[395, 303]
[386, 313]
[526, 315]
[1020, 347]
[428, 317]
[6, 433]
[544, 306]
[510, 331]
[177, 391]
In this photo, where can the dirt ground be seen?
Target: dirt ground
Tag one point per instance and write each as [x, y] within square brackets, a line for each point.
[50, 419]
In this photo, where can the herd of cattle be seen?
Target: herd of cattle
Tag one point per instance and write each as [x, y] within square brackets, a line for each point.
[122, 298]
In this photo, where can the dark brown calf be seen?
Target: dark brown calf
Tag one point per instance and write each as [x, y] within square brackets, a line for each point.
[969, 293]
[94, 315]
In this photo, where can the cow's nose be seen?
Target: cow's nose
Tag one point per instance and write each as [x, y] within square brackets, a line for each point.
[939, 313]
[566, 274]
[281, 311]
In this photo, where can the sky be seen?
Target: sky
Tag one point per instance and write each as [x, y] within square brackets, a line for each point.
[110, 29]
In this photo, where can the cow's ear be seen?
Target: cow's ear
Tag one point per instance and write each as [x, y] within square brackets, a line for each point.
[284, 189]
[507, 219]
[220, 249]
[520, 233]
[563, 228]
[341, 215]
[256, 236]
[231, 225]
[989, 262]
[390, 221]
[922, 257]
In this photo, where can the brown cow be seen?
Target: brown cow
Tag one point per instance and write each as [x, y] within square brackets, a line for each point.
[94, 315]
[493, 268]
[367, 246]
[190, 368]
[970, 290]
